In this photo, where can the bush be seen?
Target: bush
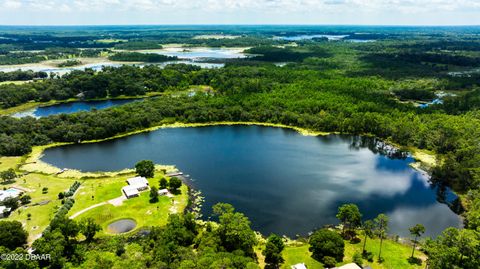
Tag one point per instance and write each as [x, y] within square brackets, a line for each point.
[25, 199]
[329, 261]
[326, 243]
[368, 256]
[175, 184]
[357, 258]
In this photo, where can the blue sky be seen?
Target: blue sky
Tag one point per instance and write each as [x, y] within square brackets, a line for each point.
[383, 12]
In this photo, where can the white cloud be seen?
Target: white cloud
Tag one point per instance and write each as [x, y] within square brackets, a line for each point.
[247, 11]
[11, 4]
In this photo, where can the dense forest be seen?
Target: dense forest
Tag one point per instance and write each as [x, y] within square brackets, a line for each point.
[354, 88]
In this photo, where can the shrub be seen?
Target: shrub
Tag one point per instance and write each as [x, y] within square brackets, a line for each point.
[327, 243]
[329, 261]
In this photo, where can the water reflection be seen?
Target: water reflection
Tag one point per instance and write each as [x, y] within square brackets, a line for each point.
[284, 182]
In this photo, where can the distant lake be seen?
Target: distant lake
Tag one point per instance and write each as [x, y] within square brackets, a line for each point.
[284, 182]
[306, 37]
[196, 54]
[71, 107]
[96, 66]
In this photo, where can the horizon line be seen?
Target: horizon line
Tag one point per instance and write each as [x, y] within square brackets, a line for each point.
[239, 24]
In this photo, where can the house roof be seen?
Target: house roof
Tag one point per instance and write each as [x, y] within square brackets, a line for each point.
[299, 266]
[163, 191]
[130, 190]
[349, 266]
[4, 209]
[9, 193]
[137, 181]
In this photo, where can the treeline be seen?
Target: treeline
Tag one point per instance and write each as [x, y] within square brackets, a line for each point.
[24, 57]
[138, 45]
[112, 82]
[287, 54]
[19, 75]
[141, 57]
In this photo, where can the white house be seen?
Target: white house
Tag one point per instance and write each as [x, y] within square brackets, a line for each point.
[9, 193]
[140, 183]
[130, 191]
[299, 266]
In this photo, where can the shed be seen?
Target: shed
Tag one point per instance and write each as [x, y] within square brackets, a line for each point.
[299, 266]
[163, 192]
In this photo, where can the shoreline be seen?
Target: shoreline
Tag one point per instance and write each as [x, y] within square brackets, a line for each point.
[31, 162]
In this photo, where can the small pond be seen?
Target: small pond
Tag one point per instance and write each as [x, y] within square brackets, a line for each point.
[121, 226]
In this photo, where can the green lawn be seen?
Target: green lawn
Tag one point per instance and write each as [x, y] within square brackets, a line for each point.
[139, 208]
[299, 254]
[395, 255]
[40, 214]
[94, 191]
[9, 162]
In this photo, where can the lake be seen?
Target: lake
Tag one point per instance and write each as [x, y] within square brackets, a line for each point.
[199, 53]
[284, 182]
[71, 107]
[96, 66]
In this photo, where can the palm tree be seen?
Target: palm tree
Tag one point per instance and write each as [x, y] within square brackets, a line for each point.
[367, 228]
[381, 223]
[416, 231]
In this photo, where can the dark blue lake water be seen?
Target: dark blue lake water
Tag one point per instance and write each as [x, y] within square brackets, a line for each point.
[284, 182]
[71, 107]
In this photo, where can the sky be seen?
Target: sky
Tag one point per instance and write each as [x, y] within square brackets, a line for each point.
[331, 12]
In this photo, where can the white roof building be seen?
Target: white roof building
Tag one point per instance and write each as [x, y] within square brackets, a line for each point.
[140, 183]
[349, 266]
[9, 193]
[163, 192]
[299, 266]
[130, 191]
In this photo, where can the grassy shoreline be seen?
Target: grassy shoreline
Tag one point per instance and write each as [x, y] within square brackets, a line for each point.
[32, 163]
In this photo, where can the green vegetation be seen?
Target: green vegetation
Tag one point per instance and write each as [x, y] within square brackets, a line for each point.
[69, 63]
[138, 45]
[140, 57]
[145, 168]
[12, 234]
[325, 245]
[343, 87]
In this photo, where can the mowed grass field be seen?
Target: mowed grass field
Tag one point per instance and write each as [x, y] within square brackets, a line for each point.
[95, 191]
[395, 255]
[139, 209]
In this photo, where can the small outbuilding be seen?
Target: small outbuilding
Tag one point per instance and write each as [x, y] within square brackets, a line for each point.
[163, 192]
[299, 266]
